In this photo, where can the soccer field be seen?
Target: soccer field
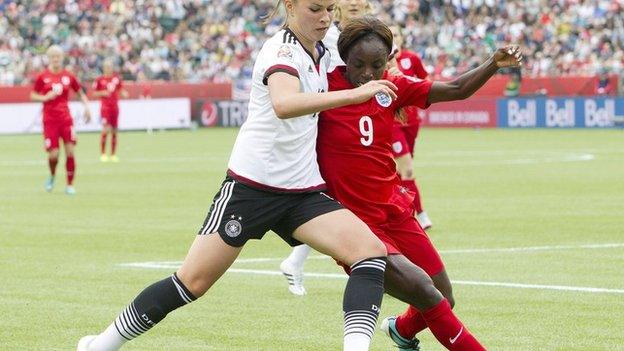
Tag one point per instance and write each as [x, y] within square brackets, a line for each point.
[530, 224]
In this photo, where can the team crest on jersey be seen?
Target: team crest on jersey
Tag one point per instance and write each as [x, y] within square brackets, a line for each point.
[285, 51]
[233, 227]
[383, 99]
[65, 80]
[397, 146]
[406, 63]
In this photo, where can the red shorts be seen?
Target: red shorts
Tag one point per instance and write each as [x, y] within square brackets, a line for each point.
[403, 139]
[405, 237]
[53, 131]
[110, 117]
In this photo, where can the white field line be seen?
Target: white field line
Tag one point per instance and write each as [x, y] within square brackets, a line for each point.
[172, 265]
[456, 282]
[176, 264]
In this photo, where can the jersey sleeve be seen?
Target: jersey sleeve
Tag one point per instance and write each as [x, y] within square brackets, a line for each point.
[75, 85]
[419, 68]
[412, 92]
[278, 57]
[96, 84]
[39, 85]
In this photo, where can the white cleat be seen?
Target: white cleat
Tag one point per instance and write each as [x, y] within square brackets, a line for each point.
[294, 277]
[424, 220]
[85, 341]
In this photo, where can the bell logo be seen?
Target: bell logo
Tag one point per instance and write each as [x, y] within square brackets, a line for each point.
[599, 117]
[522, 117]
[559, 117]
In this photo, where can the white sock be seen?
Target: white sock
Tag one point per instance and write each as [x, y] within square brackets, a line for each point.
[109, 340]
[298, 256]
[356, 342]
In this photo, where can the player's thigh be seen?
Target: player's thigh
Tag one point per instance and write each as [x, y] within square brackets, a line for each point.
[206, 261]
[51, 136]
[68, 135]
[409, 283]
[341, 235]
[414, 243]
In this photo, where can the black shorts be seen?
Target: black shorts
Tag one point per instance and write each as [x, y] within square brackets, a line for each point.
[240, 212]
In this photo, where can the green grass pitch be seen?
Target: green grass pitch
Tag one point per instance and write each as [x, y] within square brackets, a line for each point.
[528, 222]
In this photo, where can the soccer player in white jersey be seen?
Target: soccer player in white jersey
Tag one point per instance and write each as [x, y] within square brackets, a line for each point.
[274, 183]
[292, 266]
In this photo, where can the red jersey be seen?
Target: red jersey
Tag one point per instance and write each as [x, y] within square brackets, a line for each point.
[113, 84]
[62, 82]
[410, 64]
[354, 148]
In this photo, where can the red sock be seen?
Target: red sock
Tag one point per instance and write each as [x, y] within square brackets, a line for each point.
[410, 184]
[449, 330]
[103, 143]
[410, 323]
[52, 163]
[70, 166]
[113, 143]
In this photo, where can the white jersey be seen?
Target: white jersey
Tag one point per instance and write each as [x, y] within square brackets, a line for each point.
[331, 43]
[280, 154]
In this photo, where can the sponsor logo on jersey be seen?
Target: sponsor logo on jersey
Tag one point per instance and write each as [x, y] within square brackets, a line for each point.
[383, 99]
[285, 51]
[233, 228]
[406, 63]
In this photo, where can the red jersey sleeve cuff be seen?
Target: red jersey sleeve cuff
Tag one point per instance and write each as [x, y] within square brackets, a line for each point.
[279, 68]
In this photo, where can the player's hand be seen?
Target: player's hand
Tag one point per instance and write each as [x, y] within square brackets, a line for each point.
[87, 115]
[508, 56]
[366, 91]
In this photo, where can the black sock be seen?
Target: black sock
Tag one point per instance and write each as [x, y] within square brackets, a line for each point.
[363, 295]
[151, 306]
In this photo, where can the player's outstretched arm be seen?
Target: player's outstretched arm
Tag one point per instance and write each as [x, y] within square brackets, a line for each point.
[468, 83]
[289, 102]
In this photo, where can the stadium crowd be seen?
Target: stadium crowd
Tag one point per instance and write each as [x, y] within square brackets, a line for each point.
[209, 40]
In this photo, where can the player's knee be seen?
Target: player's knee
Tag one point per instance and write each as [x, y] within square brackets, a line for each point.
[451, 300]
[197, 284]
[406, 174]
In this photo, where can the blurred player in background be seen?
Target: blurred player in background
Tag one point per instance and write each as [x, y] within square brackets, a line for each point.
[107, 88]
[273, 182]
[52, 87]
[354, 148]
[345, 11]
[292, 266]
[405, 132]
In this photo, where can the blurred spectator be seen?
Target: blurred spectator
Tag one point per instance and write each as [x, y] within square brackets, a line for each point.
[210, 40]
[604, 84]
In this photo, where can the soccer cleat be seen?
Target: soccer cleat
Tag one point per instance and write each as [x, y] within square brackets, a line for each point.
[70, 190]
[49, 184]
[114, 158]
[388, 325]
[85, 341]
[294, 277]
[424, 220]
[103, 158]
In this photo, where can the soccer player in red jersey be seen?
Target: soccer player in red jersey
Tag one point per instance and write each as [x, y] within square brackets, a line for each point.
[107, 88]
[405, 132]
[354, 148]
[52, 87]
